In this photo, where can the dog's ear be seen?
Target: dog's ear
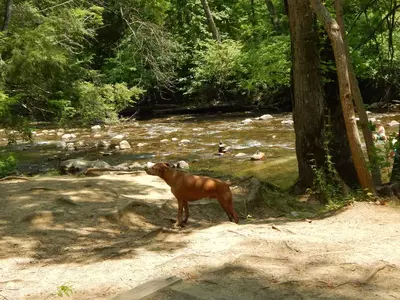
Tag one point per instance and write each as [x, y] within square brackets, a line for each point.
[165, 166]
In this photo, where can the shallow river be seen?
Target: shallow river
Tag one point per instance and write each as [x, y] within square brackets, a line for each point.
[274, 137]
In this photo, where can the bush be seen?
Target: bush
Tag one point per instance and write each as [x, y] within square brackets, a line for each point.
[260, 70]
[99, 102]
[7, 165]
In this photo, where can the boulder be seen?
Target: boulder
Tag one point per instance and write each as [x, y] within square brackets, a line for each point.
[258, 156]
[183, 165]
[287, 122]
[96, 128]
[265, 117]
[247, 121]
[123, 145]
[68, 136]
[78, 165]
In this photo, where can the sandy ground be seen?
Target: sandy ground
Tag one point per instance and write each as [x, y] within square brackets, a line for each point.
[104, 235]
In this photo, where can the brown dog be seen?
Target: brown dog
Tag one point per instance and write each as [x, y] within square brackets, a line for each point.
[187, 187]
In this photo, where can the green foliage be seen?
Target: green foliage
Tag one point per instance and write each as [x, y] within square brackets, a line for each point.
[58, 58]
[327, 186]
[101, 102]
[7, 165]
[217, 66]
[64, 290]
[228, 66]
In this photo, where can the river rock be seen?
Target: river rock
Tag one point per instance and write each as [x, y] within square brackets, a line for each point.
[182, 165]
[96, 128]
[68, 136]
[141, 144]
[393, 123]
[265, 117]
[185, 141]
[247, 121]
[287, 122]
[174, 139]
[103, 145]
[123, 145]
[135, 165]
[50, 144]
[97, 135]
[70, 147]
[79, 165]
[80, 145]
[164, 141]
[115, 140]
[258, 156]
[241, 154]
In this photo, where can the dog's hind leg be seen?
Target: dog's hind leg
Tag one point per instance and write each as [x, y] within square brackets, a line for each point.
[180, 210]
[186, 208]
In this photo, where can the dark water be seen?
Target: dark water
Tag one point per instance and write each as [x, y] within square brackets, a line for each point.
[203, 133]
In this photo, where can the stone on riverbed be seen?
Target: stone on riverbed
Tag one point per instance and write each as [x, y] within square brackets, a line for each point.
[258, 156]
[79, 165]
[70, 147]
[68, 136]
[103, 145]
[265, 117]
[182, 165]
[393, 123]
[247, 121]
[115, 140]
[123, 145]
[96, 128]
[50, 144]
[287, 122]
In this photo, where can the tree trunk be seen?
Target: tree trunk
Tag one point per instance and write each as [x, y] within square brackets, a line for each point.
[273, 15]
[333, 30]
[308, 102]
[253, 13]
[339, 147]
[7, 14]
[358, 101]
[210, 21]
[395, 177]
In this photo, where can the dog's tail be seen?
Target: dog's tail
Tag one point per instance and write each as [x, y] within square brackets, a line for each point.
[238, 181]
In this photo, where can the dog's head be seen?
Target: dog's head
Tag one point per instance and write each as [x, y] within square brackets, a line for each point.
[156, 169]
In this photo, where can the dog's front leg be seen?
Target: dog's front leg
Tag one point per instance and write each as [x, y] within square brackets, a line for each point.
[180, 210]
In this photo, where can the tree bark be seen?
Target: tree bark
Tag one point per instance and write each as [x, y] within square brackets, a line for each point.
[210, 21]
[358, 101]
[339, 147]
[253, 13]
[7, 14]
[308, 101]
[333, 30]
[395, 176]
[273, 15]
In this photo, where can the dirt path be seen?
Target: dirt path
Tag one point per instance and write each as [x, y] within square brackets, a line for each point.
[67, 231]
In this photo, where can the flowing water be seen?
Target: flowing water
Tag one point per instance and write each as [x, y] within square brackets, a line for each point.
[190, 137]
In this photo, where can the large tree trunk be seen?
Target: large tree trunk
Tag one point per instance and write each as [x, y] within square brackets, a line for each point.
[333, 30]
[339, 147]
[210, 21]
[395, 177]
[273, 15]
[308, 102]
[7, 14]
[358, 101]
